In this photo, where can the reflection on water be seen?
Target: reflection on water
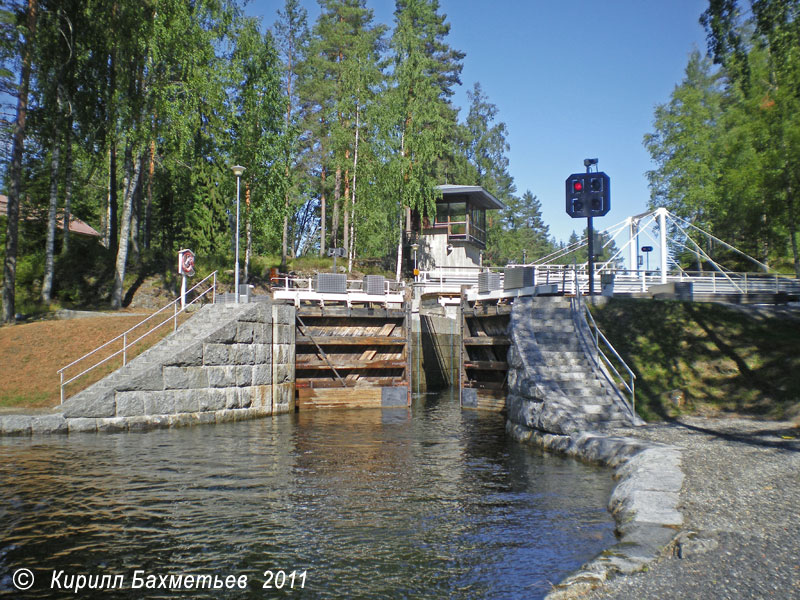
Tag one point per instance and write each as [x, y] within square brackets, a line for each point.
[426, 502]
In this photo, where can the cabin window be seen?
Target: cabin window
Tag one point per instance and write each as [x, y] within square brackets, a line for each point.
[464, 221]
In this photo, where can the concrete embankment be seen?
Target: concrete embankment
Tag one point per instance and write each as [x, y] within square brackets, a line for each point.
[560, 400]
[227, 363]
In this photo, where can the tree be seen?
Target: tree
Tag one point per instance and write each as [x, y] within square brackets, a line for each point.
[683, 145]
[291, 31]
[420, 114]
[262, 139]
[519, 234]
[55, 50]
[15, 187]
[345, 72]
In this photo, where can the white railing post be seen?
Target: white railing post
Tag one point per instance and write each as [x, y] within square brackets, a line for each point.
[61, 374]
[175, 317]
[124, 348]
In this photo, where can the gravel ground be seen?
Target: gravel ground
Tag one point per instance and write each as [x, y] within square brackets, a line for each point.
[741, 507]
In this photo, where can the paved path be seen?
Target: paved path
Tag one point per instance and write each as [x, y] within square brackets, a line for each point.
[741, 507]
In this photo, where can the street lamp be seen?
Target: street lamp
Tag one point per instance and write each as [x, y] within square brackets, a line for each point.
[237, 170]
[415, 247]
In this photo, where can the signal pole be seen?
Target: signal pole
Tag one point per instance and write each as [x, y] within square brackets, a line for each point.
[589, 195]
[588, 162]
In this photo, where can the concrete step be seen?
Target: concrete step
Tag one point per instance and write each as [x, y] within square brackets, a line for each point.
[561, 374]
[582, 393]
[564, 363]
[560, 328]
[558, 345]
[551, 315]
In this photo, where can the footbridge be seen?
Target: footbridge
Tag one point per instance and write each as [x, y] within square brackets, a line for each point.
[640, 258]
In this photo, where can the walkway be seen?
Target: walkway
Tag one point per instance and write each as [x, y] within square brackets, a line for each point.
[741, 533]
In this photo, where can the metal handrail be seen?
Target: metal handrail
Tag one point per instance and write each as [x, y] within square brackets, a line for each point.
[596, 338]
[631, 279]
[175, 304]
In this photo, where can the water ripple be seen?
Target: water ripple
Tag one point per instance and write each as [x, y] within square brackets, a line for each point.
[424, 503]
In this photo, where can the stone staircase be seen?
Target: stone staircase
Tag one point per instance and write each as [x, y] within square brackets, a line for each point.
[227, 362]
[565, 364]
[177, 349]
[556, 383]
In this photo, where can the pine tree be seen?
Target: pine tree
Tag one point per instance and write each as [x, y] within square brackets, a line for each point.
[420, 113]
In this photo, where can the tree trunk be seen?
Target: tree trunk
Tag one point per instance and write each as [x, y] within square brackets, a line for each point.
[352, 246]
[111, 222]
[793, 230]
[399, 253]
[148, 207]
[285, 232]
[15, 172]
[284, 237]
[50, 244]
[322, 216]
[337, 190]
[136, 214]
[346, 207]
[129, 184]
[67, 186]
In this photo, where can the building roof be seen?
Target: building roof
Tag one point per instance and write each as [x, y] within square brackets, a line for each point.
[75, 224]
[477, 195]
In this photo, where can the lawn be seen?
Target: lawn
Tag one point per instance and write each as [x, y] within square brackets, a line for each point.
[706, 358]
[32, 353]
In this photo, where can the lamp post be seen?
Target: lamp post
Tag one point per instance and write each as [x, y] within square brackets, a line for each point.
[415, 247]
[237, 170]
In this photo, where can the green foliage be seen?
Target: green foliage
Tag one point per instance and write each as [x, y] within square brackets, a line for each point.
[519, 234]
[420, 114]
[718, 359]
[727, 142]
[148, 105]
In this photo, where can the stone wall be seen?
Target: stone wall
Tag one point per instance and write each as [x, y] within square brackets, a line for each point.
[226, 363]
[283, 348]
[649, 476]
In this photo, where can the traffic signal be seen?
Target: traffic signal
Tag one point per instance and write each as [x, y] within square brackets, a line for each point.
[588, 195]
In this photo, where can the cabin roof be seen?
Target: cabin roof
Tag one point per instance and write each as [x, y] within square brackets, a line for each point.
[75, 224]
[477, 195]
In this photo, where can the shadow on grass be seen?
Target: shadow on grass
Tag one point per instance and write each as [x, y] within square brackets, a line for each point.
[731, 360]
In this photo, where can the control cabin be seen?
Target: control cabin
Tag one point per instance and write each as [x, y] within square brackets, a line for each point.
[456, 237]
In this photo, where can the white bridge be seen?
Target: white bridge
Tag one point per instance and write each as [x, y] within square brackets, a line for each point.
[659, 232]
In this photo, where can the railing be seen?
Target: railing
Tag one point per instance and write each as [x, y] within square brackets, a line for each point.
[573, 278]
[126, 343]
[449, 278]
[463, 230]
[582, 313]
[306, 284]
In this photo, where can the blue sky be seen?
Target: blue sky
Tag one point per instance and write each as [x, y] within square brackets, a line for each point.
[572, 79]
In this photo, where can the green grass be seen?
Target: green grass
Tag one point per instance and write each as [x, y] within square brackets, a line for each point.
[705, 358]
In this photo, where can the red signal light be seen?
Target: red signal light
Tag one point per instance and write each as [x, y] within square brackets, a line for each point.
[577, 186]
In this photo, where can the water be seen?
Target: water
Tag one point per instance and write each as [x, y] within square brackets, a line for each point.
[428, 502]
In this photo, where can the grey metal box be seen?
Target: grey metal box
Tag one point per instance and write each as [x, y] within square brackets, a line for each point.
[517, 277]
[488, 281]
[331, 283]
[373, 284]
